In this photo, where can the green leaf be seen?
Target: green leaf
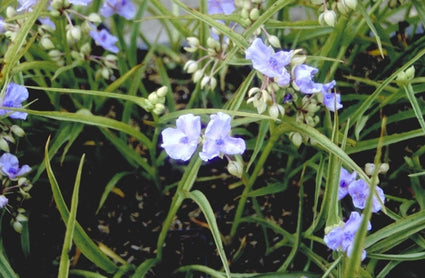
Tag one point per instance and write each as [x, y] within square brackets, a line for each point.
[111, 184]
[205, 206]
[5, 268]
[411, 96]
[272, 188]
[70, 225]
[81, 239]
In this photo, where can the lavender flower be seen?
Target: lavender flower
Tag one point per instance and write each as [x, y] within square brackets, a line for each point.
[105, 40]
[2, 25]
[124, 8]
[303, 79]
[14, 96]
[26, 5]
[345, 178]
[331, 100]
[269, 63]
[9, 166]
[359, 191]
[181, 142]
[48, 22]
[342, 238]
[3, 201]
[80, 2]
[218, 140]
[221, 7]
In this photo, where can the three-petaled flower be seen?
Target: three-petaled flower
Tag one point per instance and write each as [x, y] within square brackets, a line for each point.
[13, 97]
[9, 166]
[105, 40]
[124, 8]
[269, 63]
[359, 191]
[181, 142]
[218, 140]
[221, 7]
[342, 237]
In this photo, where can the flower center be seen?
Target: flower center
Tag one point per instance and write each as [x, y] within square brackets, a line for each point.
[219, 141]
[184, 140]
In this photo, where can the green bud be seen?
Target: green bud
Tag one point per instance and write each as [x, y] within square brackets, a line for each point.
[274, 41]
[410, 73]
[235, 168]
[198, 75]
[46, 43]
[213, 83]
[369, 168]
[110, 61]
[162, 92]
[245, 14]
[190, 66]
[254, 14]
[153, 97]
[328, 17]
[352, 4]
[205, 81]
[4, 145]
[94, 17]
[296, 138]
[10, 12]
[383, 168]
[85, 49]
[17, 226]
[158, 109]
[17, 130]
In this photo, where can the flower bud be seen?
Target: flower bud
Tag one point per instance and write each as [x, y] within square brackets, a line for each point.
[94, 17]
[74, 34]
[190, 66]
[245, 14]
[352, 4]
[213, 83]
[162, 92]
[410, 73]
[110, 61]
[328, 17]
[17, 130]
[198, 75]
[369, 168]
[212, 43]
[383, 168]
[254, 14]
[10, 12]
[274, 111]
[17, 226]
[4, 145]
[153, 97]
[296, 138]
[105, 73]
[235, 168]
[205, 81]
[193, 41]
[158, 109]
[274, 41]
[342, 8]
[46, 43]
[85, 49]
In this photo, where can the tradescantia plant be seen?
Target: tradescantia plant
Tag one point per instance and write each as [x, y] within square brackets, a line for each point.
[304, 102]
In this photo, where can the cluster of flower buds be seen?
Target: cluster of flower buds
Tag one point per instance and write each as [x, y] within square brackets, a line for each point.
[329, 16]
[249, 10]
[407, 75]
[18, 221]
[205, 73]
[263, 99]
[156, 100]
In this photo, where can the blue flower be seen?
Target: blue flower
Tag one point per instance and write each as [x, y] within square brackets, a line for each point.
[217, 138]
[345, 178]
[80, 2]
[105, 40]
[13, 97]
[221, 7]
[26, 5]
[181, 142]
[9, 166]
[359, 191]
[48, 22]
[124, 8]
[3, 201]
[2, 25]
[269, 63]
[303, 79]
[342, 238]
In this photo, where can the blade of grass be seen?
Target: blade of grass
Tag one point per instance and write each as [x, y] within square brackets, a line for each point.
[81, 239]
[70, 225]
